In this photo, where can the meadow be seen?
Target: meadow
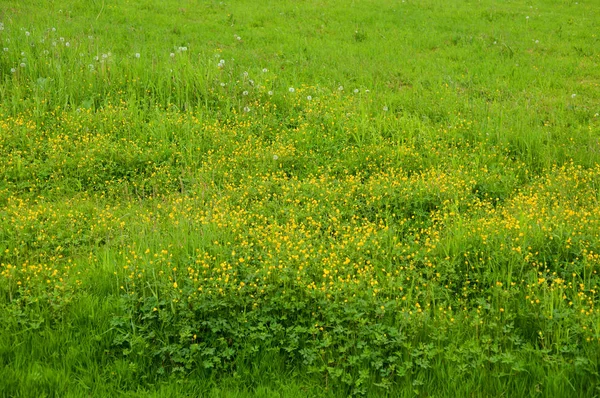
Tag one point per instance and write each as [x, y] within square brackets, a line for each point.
[299, 198]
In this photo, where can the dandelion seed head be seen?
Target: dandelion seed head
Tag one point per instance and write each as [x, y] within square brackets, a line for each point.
[246, 109]
[27, 34]
[245, 93]
[22, 64]
[341, 88]
[573, 95]
[13, 70]
[265, 70]
[355, 91]
[172, 55]
[275, 157]
[292, 89]
[309, 98]
[270, 93]
[137, 55]
[385, 109]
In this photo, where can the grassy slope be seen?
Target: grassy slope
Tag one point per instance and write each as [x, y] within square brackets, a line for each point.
[465, 216]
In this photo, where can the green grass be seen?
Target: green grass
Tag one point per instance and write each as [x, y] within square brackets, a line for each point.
[324, 199]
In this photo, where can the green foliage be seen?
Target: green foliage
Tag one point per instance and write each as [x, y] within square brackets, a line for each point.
[292, 199]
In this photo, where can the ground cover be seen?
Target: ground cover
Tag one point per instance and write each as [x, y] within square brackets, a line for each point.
[299, 198]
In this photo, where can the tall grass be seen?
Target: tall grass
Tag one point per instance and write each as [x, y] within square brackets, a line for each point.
[299, 199]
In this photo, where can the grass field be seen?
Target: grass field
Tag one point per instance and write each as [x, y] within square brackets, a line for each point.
[299, 198]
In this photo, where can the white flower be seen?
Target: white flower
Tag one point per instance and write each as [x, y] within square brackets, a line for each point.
[13, 70]
[265, 70]
[137, 55]
[292, 89]
[246, 109]
[172, 55]
[355, 91]
[67, 44]
[270, 93]
[222, 84]
[385, 108]
[309, 98]
[341, 88]
[237, 38]
[275, 157]
[22, 64]
[245, 93]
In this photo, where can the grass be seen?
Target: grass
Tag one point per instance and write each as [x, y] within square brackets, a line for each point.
[299, 199]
